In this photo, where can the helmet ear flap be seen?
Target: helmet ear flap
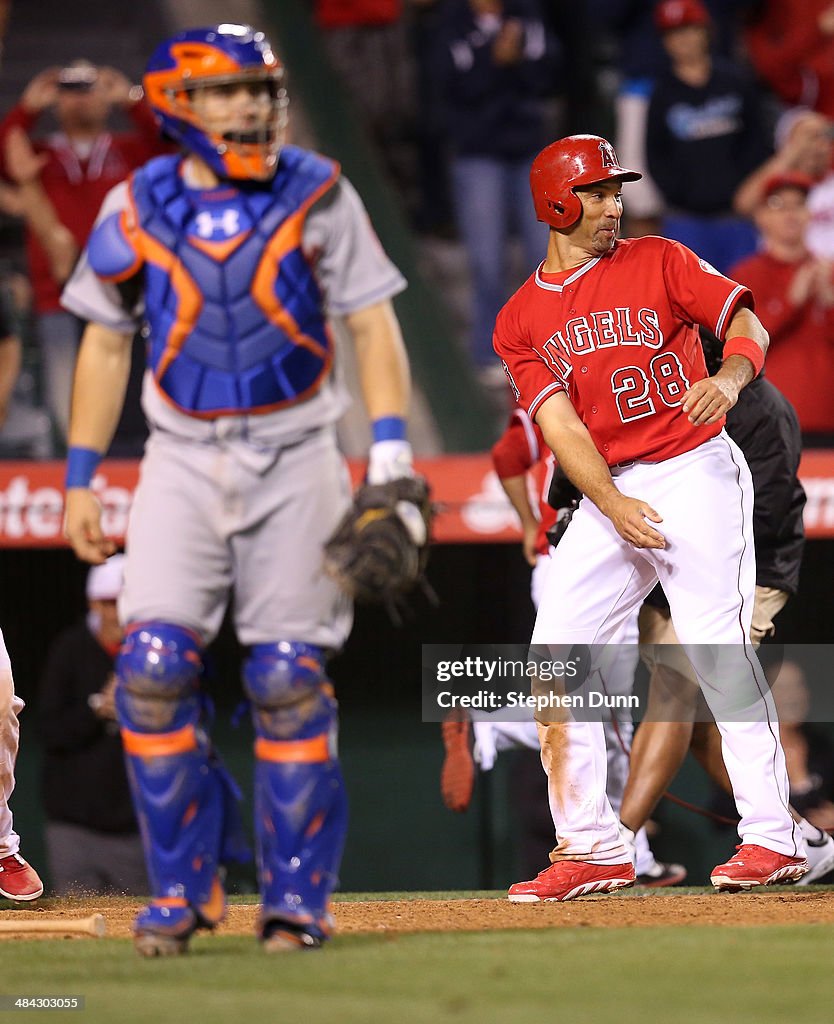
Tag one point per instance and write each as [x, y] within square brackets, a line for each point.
[561, 211]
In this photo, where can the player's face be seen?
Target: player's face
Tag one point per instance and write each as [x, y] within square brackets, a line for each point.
[602, 208]
[234, 108]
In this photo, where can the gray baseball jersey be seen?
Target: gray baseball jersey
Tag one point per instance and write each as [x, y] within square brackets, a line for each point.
[352, 271]
[246, 501]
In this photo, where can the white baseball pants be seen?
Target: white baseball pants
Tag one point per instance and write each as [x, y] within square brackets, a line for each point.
[10, 707]
[597, 580]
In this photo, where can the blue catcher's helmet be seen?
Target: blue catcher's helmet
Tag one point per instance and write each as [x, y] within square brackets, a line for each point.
[221, 56]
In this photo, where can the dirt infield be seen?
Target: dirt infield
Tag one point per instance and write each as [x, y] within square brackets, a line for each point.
[395, 917]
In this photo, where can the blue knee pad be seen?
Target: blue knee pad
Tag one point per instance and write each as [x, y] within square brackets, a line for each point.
[300, 800]
[289, 691]
[180, 791]
[157, 679]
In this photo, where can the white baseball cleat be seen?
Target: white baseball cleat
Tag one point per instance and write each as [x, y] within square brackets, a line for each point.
[820, 854]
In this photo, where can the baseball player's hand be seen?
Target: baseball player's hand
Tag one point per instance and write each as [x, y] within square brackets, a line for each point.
[389, 460]
[707, 400]
[82, 526]
[629, 516]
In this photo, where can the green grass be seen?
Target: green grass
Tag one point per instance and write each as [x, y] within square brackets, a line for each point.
[694, 975]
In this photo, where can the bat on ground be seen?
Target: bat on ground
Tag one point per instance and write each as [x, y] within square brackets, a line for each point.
[93, 925]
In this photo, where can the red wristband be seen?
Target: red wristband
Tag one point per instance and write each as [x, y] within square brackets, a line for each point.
[748, 348]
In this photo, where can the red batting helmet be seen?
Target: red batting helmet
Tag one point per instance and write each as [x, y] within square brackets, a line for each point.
[566, 165]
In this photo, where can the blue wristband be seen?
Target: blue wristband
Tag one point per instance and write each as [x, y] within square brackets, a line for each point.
[388, 428]
[81, 466]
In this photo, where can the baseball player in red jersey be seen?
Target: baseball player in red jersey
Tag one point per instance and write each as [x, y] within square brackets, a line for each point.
[521, 459]
[601, 347]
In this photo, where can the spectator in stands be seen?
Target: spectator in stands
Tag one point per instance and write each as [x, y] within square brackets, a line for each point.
[31, 202]
[805, 145]
[92, 838]
[705, 133]
[640, 58]
[82, 162]
[433, 213]
[368, 46]
[494, 62]
[794, 294]
[25, 429]
[9, 365]
[791, 45]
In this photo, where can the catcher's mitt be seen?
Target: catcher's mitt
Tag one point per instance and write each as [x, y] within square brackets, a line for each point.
[379, 550]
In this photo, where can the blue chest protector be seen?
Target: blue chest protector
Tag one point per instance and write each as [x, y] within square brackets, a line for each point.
[235, 313]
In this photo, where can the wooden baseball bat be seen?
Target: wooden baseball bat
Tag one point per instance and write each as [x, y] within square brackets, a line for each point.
[92, 925]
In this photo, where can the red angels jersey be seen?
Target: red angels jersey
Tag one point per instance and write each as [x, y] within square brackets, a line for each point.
[519, 450]
[619, 335]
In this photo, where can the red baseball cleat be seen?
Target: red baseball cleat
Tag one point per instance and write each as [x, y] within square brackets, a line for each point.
[567, 879]
[756, 865]
[457, 776]
[19, 880]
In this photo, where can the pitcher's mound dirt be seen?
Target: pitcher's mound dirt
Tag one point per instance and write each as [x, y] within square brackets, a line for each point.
[391, 917]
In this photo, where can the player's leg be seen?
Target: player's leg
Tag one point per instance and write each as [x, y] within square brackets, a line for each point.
[178, 795]
[615, 678]
[300, 798]
[708, 575]
[661, 742]
[594, 584]
[176, 581]
[18, 879]
[292, 615]
[819, 846]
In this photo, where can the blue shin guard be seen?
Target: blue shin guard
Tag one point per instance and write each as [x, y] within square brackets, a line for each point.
[300, 799]
[182, 795]
[179, 801]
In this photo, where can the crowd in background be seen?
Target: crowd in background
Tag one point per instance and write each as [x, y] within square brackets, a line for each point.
[726, 106]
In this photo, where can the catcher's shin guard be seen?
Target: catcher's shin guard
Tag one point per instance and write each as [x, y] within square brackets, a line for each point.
[179, 791]
[300, 800]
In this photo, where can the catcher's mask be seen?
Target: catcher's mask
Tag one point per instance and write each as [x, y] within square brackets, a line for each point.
[222, 56]
[568, 164]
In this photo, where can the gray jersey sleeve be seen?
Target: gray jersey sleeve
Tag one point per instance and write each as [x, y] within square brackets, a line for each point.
[351, 266]
[90, 298]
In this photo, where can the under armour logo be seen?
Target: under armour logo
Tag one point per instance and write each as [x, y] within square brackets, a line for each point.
[227, 224]
[609, 157]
